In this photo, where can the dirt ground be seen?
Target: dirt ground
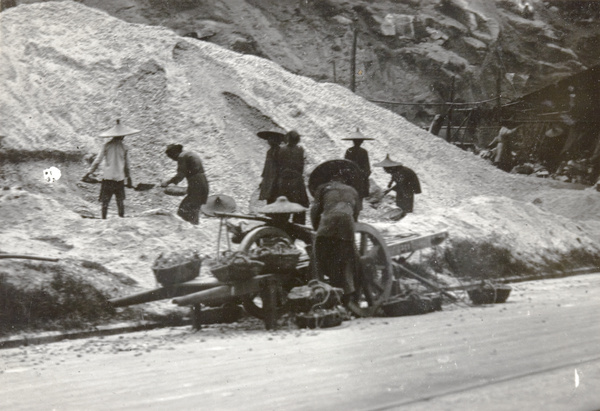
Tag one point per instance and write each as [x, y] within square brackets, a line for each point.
[537, 351]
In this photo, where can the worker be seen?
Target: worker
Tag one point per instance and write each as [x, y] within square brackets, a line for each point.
[360, 156]
[116, 167]
[268, 185]
[291, 174]
[403, 181]
[189, 166]
[333, 214]
[503, 143]
[552, 144]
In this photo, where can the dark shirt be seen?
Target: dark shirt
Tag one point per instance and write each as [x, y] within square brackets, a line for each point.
[268, 187]
[407, 182]
[291, 179]
[334, 211]
[188, 165]
[361, 157]
[291, 161]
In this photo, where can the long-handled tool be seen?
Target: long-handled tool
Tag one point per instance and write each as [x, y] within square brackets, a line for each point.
[138, 187]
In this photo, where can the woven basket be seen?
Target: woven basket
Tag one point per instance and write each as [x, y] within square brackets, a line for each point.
[178, 274]
[489, 294]
[279, 263]
[239, 269]
[175, 191]
[319, 319]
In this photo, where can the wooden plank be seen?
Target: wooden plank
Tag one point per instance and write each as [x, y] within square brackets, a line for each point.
[223, 292]
[163, 293]
[409, 245]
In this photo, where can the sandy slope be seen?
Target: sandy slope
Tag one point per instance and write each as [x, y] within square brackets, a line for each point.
[64, 82]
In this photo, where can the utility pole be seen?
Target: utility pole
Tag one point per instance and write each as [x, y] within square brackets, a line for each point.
[353, 61]
[334, 75]
[499, 80]
[449, 123]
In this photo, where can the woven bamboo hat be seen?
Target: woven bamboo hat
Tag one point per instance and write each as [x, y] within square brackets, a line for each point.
[220, 203]
[282, 206]
[265, 135]
[325, 172]
[357, 135]
[554, 132]
[387, 162]
[119, 130]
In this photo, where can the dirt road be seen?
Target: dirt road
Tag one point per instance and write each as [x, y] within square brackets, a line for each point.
[538, 351]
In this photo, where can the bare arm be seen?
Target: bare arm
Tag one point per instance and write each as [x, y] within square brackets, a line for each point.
[181, 169]
[97, 161]
[127, 174]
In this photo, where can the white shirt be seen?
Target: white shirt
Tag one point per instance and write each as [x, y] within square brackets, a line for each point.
[116, 166]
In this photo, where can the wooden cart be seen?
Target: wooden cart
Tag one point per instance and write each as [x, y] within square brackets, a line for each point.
[263, 295]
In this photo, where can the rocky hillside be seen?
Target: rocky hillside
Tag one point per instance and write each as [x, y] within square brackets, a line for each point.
[62, 83]
[407, 50]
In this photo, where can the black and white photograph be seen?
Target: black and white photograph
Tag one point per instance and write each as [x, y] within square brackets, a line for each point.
[300, 205]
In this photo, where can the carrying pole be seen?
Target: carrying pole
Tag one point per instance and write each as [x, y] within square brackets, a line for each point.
[219, 238]
[424, 281]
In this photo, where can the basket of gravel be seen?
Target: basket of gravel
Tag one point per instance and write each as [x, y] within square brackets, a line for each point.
[176, 268]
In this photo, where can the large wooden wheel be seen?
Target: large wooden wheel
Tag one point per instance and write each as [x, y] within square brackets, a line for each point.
[376, 271]
[253, 303]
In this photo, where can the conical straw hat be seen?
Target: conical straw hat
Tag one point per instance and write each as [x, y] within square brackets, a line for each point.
[327, 171]
[388, 162]
[218, 204]
[282, 206]
[266, 134]
[119, 131]
[357, 135]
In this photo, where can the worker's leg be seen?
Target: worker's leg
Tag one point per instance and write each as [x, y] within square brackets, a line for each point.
[189, 209]
[120, 196]
[324, 257]
[349, 266]
[105, 206]
[105, 196]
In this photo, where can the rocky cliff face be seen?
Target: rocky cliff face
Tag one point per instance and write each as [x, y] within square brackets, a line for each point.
[407, 51]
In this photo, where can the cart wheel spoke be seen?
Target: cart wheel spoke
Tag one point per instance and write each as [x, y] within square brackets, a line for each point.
[376, 270]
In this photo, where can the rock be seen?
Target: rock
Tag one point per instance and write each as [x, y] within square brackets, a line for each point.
[388, 27]
[475, 44]
[398, 24]
[342, 20]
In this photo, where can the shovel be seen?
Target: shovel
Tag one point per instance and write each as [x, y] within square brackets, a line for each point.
[139, 187]
[144, 187]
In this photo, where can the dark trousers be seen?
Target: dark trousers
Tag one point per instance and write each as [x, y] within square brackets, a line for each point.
[107, 189]
[338, 260]
[189, 208]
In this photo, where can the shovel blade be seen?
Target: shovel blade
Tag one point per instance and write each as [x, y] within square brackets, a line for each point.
[144, 187]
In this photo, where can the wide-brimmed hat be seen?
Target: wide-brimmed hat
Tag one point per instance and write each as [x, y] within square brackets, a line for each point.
[348, 170]
[220, 203]
[357, 135]
[554, 132]
[282, 206]
[265, 135]
[119, 131]
[387, 162]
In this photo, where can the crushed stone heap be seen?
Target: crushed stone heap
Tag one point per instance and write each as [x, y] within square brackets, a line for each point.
[62, 83]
